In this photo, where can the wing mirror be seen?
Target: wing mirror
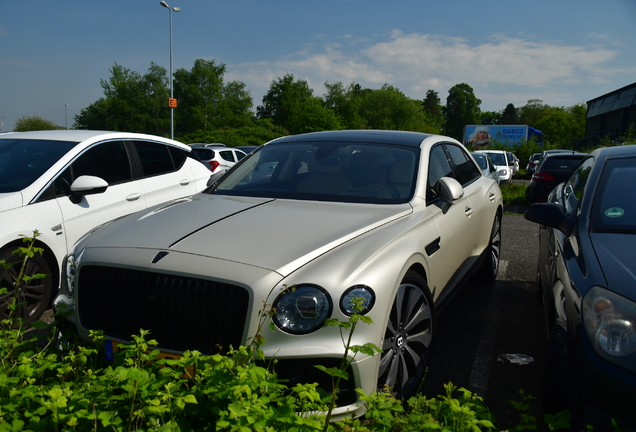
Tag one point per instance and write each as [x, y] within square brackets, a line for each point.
[87, 185]
[450, 190]
[552, 215]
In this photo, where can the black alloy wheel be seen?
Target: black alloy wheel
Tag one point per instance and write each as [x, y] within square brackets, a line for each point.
[35, 296]
[408, 338]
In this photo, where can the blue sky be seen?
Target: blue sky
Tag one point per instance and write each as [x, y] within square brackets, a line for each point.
[563, 52]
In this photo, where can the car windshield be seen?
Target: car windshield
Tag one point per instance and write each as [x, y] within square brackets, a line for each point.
[614, 208]
[23, 161]
[327, 171]
[481, 160]
[498, 158]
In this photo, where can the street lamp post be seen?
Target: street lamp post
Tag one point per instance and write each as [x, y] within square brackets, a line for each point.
[65, 116]
[171, 103]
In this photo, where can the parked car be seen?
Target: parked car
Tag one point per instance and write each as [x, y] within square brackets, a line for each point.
[514, 162]
[63, 183]
[486, 165]
[504, 166]
[217, 156]
[246, 149]
[586, 278]
[533, 161]
[396, 219]
[553, 169]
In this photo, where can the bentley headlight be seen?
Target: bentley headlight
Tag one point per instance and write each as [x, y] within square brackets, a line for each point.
[357, 299]
[69, 267]
[610, 324]
[302, 309]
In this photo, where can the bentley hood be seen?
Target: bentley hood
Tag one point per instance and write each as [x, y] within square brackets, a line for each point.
[274, 234]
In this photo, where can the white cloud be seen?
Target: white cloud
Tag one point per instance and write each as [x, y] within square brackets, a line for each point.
[416, 63]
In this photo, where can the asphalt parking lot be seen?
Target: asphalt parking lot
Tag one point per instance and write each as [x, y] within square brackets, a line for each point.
[485, 321]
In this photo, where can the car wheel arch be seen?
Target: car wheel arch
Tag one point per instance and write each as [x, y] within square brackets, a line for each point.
[47, 254]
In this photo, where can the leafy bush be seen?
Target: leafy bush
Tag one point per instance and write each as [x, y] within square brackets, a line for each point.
[48, 383]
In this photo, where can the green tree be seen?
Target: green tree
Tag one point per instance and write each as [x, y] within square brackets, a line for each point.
[490, 118]
[345, 102]
[33, 123]
[434, 111]
[206, 103]
[562, 127]
[509, 115]
[462, 108]
[532, 112]
[131, 102]
[389, 108]
[291, 104]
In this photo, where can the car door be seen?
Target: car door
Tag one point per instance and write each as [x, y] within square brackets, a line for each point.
[228, 159]
[481, 194]
[456, 240]
[109, 161]
[166, 172]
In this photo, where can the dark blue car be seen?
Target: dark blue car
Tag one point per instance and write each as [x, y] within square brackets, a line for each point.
[587, 282]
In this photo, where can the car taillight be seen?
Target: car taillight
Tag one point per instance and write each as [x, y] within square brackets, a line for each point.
[214, 165]
[543, 177]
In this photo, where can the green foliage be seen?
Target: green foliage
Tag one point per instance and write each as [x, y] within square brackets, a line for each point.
[513, 193]
[51, 384]
[257, 133]
[462, 108]
[33, 123]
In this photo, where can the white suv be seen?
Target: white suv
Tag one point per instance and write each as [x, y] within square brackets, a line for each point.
[64, 183]
[504, 166]
[217, 156]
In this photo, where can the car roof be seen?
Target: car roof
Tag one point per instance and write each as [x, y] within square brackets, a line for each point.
[413, 139]
[616, 151]
[565, 155]
[211, 145]
[76, 135]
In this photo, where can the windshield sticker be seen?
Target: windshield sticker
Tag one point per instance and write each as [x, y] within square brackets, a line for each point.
[614, 212]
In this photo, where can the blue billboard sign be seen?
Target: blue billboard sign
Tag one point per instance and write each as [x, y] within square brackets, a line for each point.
[483, 136]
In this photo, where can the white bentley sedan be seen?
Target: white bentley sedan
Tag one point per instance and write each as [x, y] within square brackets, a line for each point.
[399, 219]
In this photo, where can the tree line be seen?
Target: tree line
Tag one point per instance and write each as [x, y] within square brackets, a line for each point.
[213, 110]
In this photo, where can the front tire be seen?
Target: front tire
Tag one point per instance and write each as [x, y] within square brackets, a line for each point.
[492, 258]
[36, 295]
[407, 338]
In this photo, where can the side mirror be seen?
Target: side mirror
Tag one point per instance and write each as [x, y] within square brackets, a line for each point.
[87, 185]
[552, 215]
[450, 190]
[215, 177]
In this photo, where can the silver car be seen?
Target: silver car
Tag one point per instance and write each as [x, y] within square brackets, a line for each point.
[486, 165]
[398, 219]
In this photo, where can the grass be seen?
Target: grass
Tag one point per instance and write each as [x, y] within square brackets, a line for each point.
[513, 193]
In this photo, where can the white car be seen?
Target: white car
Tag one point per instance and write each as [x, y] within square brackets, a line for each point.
[217, 157]
[504, 165]
[65, 182]
[398, 219]
[486, 165]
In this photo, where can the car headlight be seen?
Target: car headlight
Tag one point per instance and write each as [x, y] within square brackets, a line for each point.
[503, 172]
[362, 294]
[69, 266]
[302, 309]
[610, 324]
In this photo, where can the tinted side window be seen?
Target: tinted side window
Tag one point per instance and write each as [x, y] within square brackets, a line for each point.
[108, 161]
[438, 167]
[465, 169]
[154, 157]
[240, 155]
[178, 156]
[573, 188]
[228, 155]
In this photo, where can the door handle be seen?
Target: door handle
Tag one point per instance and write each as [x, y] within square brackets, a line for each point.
[185, 182]
[468, 211]
[492, 196]
[133, 197]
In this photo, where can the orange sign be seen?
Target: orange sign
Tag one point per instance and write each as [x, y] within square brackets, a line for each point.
[172, 102]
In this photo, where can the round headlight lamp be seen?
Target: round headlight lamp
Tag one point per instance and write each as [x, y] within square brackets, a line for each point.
[302, 309]
[68, 273]
[357, 299]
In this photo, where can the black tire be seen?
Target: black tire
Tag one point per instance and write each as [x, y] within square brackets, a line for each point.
[492, 254]
[36, 295]
[407, 339]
